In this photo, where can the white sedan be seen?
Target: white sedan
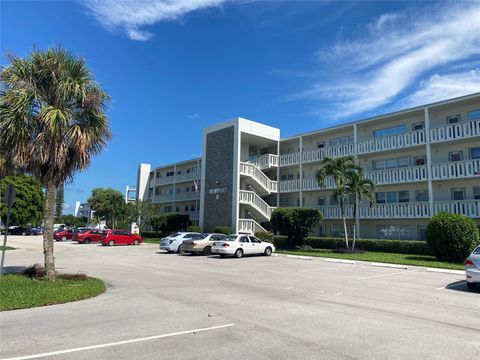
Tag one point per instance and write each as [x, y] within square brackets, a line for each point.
[239, 245]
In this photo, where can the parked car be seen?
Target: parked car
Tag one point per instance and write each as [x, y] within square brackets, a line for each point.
[472, 269]
[174, 242]
[20, 230]
[239, 245]
[120, 237]
[88, 236]
[202, 243]
[63, 235]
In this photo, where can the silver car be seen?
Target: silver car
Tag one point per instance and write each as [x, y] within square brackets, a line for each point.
[472, 269]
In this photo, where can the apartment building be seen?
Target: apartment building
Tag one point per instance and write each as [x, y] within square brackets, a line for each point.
[423, 160]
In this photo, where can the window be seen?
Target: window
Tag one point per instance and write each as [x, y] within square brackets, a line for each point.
[418, 126]
[321, 201]
[392, 197]
[394, 232]
[380, 197]
[403, 197]
[421, 232]
[419, 160]
[476, 192]
[336, 230]
[378, 164]
[244, 239]
[186, 208]
[455, 156]
[458, 194]
[402, 162]
[390, 163]
[254, 240]
[421, 195]
[474, 115]
[321, 230]
[179, 172]
[341, 140]
[333, 200]
[320, 144]
[453, 119]
[475, 153]
[394, 130]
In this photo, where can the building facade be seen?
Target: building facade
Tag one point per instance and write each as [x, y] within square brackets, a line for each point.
[423, 160]
[83, 210]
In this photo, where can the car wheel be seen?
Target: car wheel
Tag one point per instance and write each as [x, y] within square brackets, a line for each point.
[268, 251]
[24, 233]
[222, 255]
[103, 244]
[207, 251]
[64, 238]
[135, 242]
[238, 253]
[471, 286]
[111, 243]
[87, 241]
[180, 249]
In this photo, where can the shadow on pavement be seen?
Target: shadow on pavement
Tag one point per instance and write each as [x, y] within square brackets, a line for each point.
[462, 287]
[13, 269]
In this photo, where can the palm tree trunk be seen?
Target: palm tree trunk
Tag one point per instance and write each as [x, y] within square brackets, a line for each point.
[354, 223]
[48, 216]
[344, 224]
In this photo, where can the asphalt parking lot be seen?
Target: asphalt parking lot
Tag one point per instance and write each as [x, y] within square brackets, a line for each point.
[165, 306]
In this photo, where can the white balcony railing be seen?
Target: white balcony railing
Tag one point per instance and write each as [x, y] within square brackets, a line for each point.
[177, 179]
[255, 201]
[260, 178]
[266, 161]
[455, 131]
[184, 196]
[249, 226]
[456, 169]
[329, 151]
[399, 175]
[392, 142]
[470, 208]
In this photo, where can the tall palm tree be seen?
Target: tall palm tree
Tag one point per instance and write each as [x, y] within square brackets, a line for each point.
[359, 188]
[52, 121]
[338, 169]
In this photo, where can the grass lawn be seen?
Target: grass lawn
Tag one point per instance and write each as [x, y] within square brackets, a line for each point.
[19, 292]
[151, 240]
[406, 259]
[7, 248]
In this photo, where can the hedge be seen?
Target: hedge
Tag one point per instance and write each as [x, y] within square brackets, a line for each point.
[227, 230]
[194, 228]
[389, 246]
[151, 234]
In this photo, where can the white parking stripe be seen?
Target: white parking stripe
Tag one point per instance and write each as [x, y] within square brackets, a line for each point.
[36, 356]
[383, 275]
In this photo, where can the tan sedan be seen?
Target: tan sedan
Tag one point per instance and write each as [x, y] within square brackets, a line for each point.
[202, 243]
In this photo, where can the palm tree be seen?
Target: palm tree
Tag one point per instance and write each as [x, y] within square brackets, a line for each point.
[338, 169]
[358, 188]
[52, 121]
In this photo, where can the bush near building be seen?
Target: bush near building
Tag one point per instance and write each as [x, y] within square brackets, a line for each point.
[451, 237]
[227, 230]
[376, 245]
[265, 236]
[295, 223]
[194, 228]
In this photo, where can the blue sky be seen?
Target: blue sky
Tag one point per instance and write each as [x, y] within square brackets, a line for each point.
[174, 67]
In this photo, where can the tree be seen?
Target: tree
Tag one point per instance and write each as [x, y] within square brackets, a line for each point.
[359, 188]
[295, 223]
[72, 220]
[52, 122]
[177, 222]
[28, 207]
[109, 204]
[141, 212]
[451, 237]
[59, 201]
[338, 169]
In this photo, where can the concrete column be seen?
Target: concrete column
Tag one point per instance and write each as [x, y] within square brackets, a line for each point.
[428, 155]
[174, 187]
[278, 175]
[301, 170]
[357, 220]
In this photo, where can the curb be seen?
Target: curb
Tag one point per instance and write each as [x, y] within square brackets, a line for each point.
[446, 271]
[299, 257]
[394, 266]
[340, 261]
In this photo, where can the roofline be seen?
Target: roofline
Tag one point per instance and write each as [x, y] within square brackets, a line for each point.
[379, 117]
[176, 163]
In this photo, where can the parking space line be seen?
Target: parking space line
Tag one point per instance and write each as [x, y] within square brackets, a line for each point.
[36, 356]
[389, 274]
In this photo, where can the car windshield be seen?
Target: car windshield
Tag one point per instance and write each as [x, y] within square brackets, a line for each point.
[230, 238]
[173, 235]
[200, 237]
[477, 251]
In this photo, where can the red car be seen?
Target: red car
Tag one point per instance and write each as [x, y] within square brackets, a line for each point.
[120, 237]
[63, 235]
[89, 236]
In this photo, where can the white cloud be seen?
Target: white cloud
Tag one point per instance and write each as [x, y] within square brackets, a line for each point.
[392, 55]
[440, 87]
[130, 15]
[194, 116]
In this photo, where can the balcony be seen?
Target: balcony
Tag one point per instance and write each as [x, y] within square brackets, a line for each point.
[266, 161]
[249, 226]
[256, 202]
[316, 155]
[174, 179]
[456, 169]
[392, 142]
[185, 196]
[413, 210]
[455, 131]
[253, 172]
[398, 175]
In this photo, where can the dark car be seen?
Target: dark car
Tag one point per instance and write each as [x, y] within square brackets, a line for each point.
[24, 231]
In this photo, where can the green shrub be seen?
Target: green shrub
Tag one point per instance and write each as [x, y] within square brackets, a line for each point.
[265, 236]
[389, 246]
[295, 223]
[194, 228]
[227, 230]
[451, 237]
